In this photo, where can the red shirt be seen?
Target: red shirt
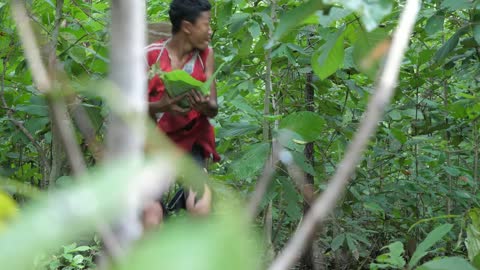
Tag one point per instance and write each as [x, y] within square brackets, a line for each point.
[193, 128]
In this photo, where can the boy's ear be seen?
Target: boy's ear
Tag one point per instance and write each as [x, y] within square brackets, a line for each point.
[187, 27]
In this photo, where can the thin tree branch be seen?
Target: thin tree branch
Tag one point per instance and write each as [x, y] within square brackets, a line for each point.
[268, 79]
[85, 126]
[58, 109]
[18, 124]
[263, 183]
[45, 84]
[32, 52]
[65, 129]
[380, 99]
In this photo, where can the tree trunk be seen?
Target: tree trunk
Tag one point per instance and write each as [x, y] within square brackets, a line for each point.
[308, 260]
[128, 74]
[266, 136]
[58, 156]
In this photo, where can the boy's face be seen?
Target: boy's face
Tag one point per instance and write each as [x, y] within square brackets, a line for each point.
[200, 31]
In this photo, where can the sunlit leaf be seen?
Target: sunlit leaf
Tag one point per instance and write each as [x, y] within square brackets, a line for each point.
[291, 18]
[251, 161]
[329, 58]
[456, 4]
[434, 24]
[432, 238]
[448, 263]
[307, 124]
[371, 12]
[218, 243]
[449, 46]
[337, 242]
[237, 21]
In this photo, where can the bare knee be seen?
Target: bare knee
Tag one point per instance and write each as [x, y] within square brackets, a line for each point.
[203, 205]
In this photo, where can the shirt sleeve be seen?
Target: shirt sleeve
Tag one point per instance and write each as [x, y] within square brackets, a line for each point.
[155, 84]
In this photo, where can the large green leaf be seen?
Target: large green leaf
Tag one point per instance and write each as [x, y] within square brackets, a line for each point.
[179, 82]
[36, 124]
[254, 29]
[448, 263]
[371, 12]
[456, 4]
[451, 170]
[237, 129]
[476, 33]
[251, 161]
[392, 259]
[365, 44]
[433, 237]
[434, 24]
[78, 54]
[32, 109]
[307, 124]
[334, 15]
[451, 43]
[293, 18]
[329, 58]
[472, 242]
[300, 160]
[245, 45]
[243, 105]
[337, 242]
[237, 21]
[217, 243]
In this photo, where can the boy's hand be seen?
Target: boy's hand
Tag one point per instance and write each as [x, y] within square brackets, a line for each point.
[168, 104]
[199, 102]
[172, 104]
[203, 206]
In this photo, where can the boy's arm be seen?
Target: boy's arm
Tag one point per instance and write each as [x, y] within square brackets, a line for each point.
[166, 104]
[206, 104]
[209, 70]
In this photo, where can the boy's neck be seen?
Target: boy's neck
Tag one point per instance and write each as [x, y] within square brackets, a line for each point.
[179, 46]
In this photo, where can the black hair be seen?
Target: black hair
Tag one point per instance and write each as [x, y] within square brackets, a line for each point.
[188, 10]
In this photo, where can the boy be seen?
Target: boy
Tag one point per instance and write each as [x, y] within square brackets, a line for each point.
[187, 49]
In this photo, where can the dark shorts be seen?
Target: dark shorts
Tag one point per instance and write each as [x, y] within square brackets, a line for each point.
[179, 200]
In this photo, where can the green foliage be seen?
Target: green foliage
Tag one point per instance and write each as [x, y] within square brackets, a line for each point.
[446, 264]
[219, 243]
[306, 124]
[472, 241]
[72, 257]
[179, 82]
[330, 56]
[290, 19]
[392, 259]
[432, 238]
[419, 172]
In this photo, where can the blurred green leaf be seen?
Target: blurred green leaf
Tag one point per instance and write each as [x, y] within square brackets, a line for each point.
[371, 12]
[432, 238]
[237, 129]
[448, 263]
[329, 58]
[337, 242]
[291, 19]
[434, 24]
[307, 124]
[237, 21]
[221, 242]
[251, 161]
[456, 4]
[450, 45]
